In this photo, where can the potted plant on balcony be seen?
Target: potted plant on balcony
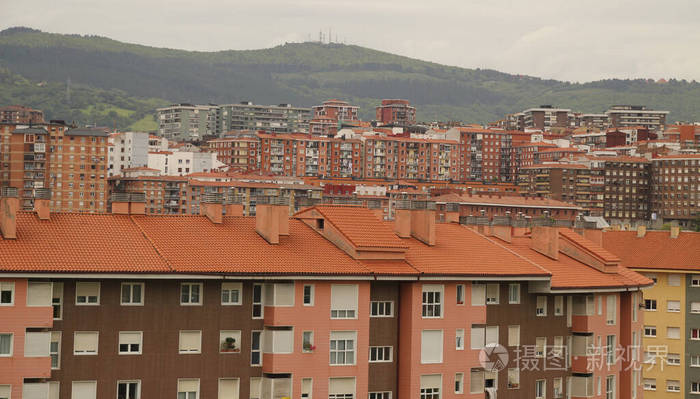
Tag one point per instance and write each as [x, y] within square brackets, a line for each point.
[229, 345]
[308, 347]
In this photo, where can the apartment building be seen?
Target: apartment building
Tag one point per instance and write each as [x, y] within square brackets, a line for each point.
[21, 115]
[396, 112]
[282, 118]
[671, 336]
[636, 115]
[183, 163]
[326, 117]
[676, 188]
[69, 162]
[127, 150]
[330, 303]
[546, 117]
[241, 153]
[596, 121]
[627, 189]
[451, 207]
[187, 122]
[567, 182]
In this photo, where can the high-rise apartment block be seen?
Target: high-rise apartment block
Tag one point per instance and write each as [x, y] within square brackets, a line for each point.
[396, 112]
[546, 117]
[187, 122]
[21, 115]
[676, 188]
[636, 115]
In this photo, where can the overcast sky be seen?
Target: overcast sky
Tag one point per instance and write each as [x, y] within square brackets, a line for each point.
[576, 40]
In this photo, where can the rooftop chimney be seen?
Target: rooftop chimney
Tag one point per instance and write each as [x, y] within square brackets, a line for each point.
[272, 218]
[9, 204]
[402, 218]
[212, 207]
[42, 203]
[423, 221]
[545, 240]
[233, 204]
[641, 231]
[675, 231]
[128, 203]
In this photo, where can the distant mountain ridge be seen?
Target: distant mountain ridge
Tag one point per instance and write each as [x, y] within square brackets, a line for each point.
[116, 83]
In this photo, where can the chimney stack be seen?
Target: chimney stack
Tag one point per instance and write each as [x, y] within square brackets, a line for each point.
[545, 240]
[212, 207]
[402, 218]
[42, 203]
[128, 203]
[423, 221]
[9, 204]
[272, 218]
[233, 204]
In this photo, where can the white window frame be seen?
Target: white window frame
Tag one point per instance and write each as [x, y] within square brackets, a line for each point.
[652, 305]
[259, 351]
[196, 395]
[648, 330]
[514, 293]
[429, 301]
[544, 389]
[459, 339]
[649, 384]
[559, 310]
[72, 393]
[345, 350]
[56, 353]
[131, 293]
[673, 309]
[375, 395]
[312, 294]
[495, 299]
[138, 387]
[129, 351]
[97, 346]
[694, 360]
[57, 300]
[189, 351]
[189, 294]
[12, 344]
[78, 284]
[541, 311]
[460, 294]
[378, 309]
[259, 303]
[672, 387]
[459, 377]
[229, 287]
[381, 350]
[8, 286]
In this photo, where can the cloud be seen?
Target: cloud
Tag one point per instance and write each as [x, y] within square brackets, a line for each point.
[561, 39]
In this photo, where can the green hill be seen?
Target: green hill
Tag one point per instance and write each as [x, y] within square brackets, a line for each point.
[121, 83]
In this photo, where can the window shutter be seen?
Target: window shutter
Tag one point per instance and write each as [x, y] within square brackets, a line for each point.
[39, 294]
[129, 338]
[492, 335]
[341, 385]
[84, 390]
[344, 297]
[188, 385]
[190, 340]
[85, 341]
[478, 336]
[431, 346]
[478, 294]
[228, 388]
[431, 381]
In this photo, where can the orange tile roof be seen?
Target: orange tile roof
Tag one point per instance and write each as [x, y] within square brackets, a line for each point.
[72, 242]
[656, 250]
[194, 244]
[360, 226]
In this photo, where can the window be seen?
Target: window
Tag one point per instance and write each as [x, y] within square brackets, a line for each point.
[674, 280]
[650, 304]
[673, 306]
[650, 384]
[228, 388]
[695, 334]
[695, 387]
[380, 354]
[430, 386]
[653, 277]
[307, 388]
[673, 332]
[541, 309]
[55, 350]
[695, 307]
[342, 348]
[558, 305]
[255, 387]
[459, 339]
[5, 391]
[492, 293]
[694, 360]
[557, 387]
[85, 342]
[478, 294]
[39, 293]
[695, 281]
[6, 345]
[673, 385]
[460, 294]
[87, 293]
[344, 301]
[514, 293]
[540, 346]
[610, 349]
[478, 337]
[649, 331]
[558, 347]
[255, 348]
[190, 342]
[476, 381]
[308, 295]
[257, 301]
[610, 387]
[341, 388]
[128, 390]
[307, 341]
[231, 293]
[459, 383]
[187, 388]
[491, 336]
[132, 293]
[190, 294]
[84, 390]
[610, 310]
[673, 359]
[381, 309]
[540, 389]
[513, 378]
[432, 296]
[378, 395]
[513, 335]
[57, 301]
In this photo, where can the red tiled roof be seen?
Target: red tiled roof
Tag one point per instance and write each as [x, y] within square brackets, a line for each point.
[656, 250]
[72, 242]
[360, 226]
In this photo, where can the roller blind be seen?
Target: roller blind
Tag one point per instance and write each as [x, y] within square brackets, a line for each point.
[284, 294]
[38, 390]
[39, 294]
[431, 381]
[85, 342]
[54, 389]
[190, 341]
[344, 297]
[37, 344]
[478, 294]
[228, 388]
[188, 385]
[255, 387]
[431, 346]
[341, 385]
[513, 335]
[87, 289]
[84, 390]
[129, 337]
[4, 391]
[478, 336]
[492, 335]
